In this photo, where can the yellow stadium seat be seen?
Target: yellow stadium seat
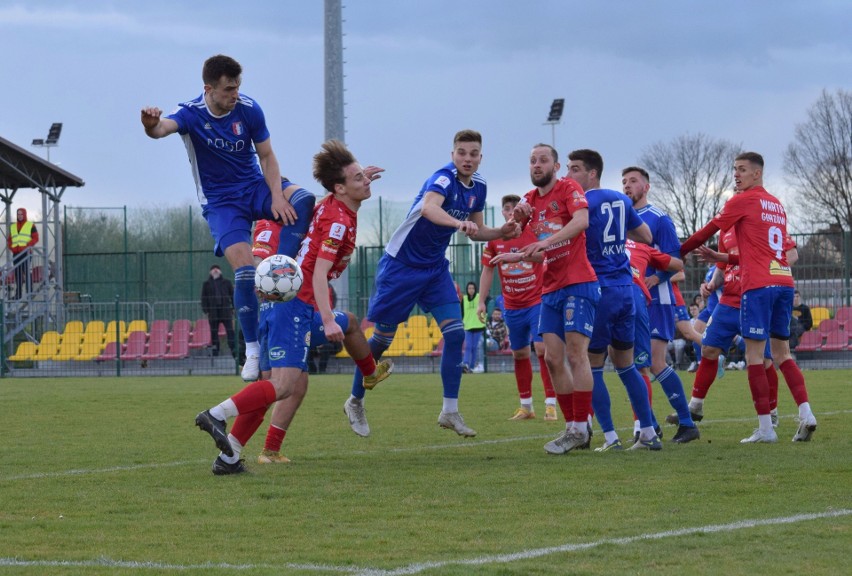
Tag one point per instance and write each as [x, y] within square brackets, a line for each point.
[399, 346]
[48, 346]
[89, 349]
[137, 326]
[70, 347]
[819, 313]
[73, 326]
[95, 327]
[420, 341]
[26, 351]
[110, 331]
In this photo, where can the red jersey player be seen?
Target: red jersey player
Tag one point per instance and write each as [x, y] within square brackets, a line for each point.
[760, 224]
[520, 282]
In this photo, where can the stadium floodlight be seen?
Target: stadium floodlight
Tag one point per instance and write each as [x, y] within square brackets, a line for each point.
[555, 110]
[51, 140]
[555, 116]
[56, 130]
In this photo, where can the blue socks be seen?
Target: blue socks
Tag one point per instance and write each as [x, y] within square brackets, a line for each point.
[245, 302]
[451, 360]
[673, 389]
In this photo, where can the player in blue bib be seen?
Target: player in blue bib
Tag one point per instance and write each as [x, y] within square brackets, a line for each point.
[661, 311]
[235, 169]
[415, 271]
[611, 220]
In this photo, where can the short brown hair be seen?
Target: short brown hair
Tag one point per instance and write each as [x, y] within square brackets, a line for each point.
[641, 171]
[513, 198]
[591, 159]
[220, 65]
[467, 136]
[752, 157]
[330, 162]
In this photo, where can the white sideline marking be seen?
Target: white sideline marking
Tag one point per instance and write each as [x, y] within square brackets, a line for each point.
[468, 444]
[421, 566]
[100, 470]
[537, 553]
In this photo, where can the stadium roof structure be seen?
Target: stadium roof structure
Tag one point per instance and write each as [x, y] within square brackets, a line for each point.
[20, 168]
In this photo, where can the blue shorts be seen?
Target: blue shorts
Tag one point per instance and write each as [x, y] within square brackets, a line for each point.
[231, 219]
[681, 314]
[705, 313]
[614, 319]
[570, 309]
[399, 287]
[523, 326]
[642, 330]
[723, 326]
[661, 319]
[285, 328]
[318, 332]
[765, 312]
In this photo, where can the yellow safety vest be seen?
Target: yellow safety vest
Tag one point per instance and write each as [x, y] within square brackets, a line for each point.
[21, 238]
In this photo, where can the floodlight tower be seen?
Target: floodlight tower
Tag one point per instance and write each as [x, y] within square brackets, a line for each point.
[555, 117]
[334, 115]
[51, 140]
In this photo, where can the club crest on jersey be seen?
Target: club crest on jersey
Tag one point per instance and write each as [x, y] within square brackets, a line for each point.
[471, 202]
[237, 128]
[554, 207]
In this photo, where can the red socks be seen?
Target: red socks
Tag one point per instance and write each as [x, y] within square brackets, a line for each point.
[524, 377]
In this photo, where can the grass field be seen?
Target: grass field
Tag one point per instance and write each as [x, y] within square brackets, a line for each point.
[110, 476]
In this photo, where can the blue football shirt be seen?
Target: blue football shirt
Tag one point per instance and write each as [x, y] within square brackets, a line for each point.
[611, 215]
[420, 243]
[221, 148]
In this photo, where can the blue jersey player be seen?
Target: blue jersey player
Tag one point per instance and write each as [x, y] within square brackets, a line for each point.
[236, 173]
[415, 271]
[636, 185]
[611, 220]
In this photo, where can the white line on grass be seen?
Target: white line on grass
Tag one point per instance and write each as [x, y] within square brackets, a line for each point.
[469, 444]
[537, 553]
[100, 470]
[422, 566]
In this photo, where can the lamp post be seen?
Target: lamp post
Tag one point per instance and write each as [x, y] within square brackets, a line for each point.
[51, 140]
[555, 117]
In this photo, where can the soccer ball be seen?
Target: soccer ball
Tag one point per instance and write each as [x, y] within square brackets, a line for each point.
[278, 278]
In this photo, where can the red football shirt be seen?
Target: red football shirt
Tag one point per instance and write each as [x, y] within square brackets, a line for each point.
[732, 290]
[266, 234]
[641, 256]
[331, 236]
[760, 223]
[567, 262]
[520, 282]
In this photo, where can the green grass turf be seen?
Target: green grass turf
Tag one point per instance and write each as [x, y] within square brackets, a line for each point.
[110, 476]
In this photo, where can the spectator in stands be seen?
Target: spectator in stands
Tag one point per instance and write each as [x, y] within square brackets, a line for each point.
[217, 297]
[22, 236]
[496, 330]
[801, 321]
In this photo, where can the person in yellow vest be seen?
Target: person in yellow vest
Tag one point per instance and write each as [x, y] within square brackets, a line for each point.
[22, 236]
[473, 329]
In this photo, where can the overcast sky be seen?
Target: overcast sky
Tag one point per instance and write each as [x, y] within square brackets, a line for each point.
[632, 73]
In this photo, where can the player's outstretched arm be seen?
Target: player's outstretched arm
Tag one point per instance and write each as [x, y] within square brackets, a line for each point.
[156, 126]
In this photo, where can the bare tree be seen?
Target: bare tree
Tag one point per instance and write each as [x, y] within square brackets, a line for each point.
[818, 162]
[690, 178]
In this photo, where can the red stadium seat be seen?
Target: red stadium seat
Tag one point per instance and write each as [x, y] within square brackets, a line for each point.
[828, 325]
[135, 347]
[836, 340]
[201, 337]
[810, 341]
[844, 316]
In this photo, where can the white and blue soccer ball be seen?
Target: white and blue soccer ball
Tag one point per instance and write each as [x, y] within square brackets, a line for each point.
[278, 278]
